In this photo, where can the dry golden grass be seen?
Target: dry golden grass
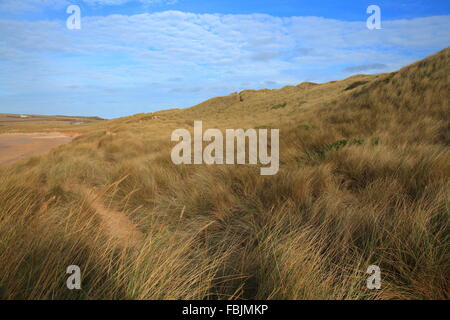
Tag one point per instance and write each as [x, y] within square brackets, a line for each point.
[364, 180]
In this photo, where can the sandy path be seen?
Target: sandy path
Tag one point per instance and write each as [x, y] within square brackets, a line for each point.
[17, 146]
[117, 224]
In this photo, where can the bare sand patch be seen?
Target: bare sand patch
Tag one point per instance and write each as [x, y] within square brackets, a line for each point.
[118, 226]
[17, 146]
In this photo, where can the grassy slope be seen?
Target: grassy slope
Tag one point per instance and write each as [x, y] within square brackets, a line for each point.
[363, 180]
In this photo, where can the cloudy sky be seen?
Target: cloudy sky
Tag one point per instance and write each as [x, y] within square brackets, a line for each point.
[134, 56]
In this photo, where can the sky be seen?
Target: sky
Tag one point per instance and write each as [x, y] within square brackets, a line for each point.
[133, 56]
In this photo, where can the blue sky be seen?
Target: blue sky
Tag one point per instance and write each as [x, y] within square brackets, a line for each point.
[148, 55]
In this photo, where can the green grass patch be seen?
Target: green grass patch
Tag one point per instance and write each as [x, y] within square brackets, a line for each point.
[305, 127]
[279, 106]
[335, 146]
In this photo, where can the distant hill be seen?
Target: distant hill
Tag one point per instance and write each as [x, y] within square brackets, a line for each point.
[28, 122]
[10, 117]
[410, 89]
